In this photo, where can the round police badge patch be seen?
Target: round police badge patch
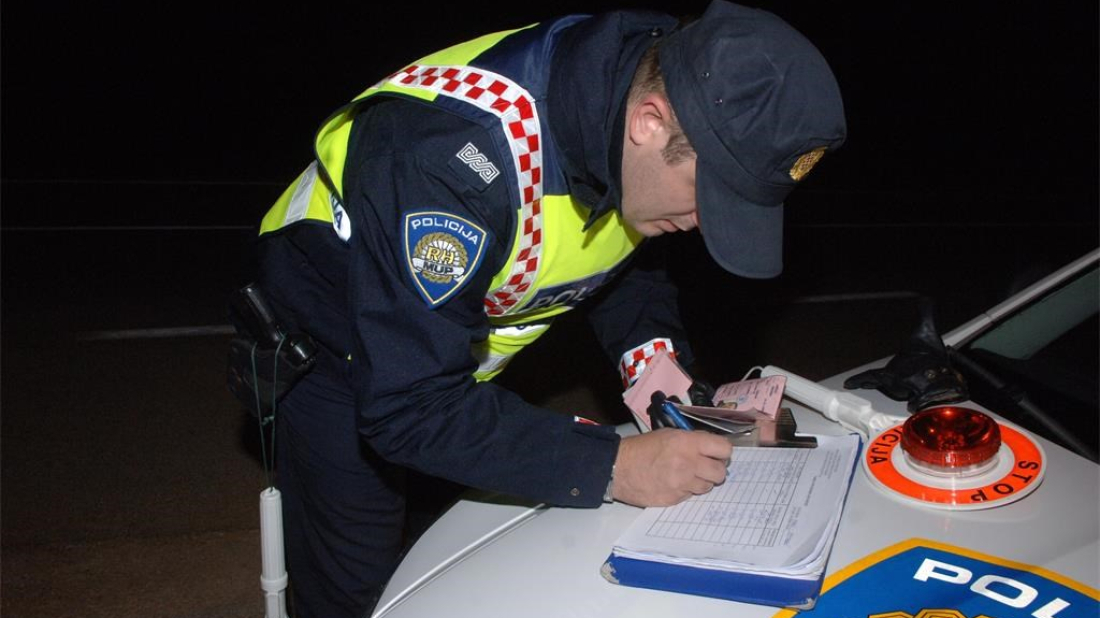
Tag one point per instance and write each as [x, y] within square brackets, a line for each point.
[440, 258]
[442, 251]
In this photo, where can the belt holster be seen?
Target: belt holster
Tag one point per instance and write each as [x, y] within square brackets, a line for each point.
[264, 361]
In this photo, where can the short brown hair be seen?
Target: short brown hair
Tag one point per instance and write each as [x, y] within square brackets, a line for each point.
[648, 80]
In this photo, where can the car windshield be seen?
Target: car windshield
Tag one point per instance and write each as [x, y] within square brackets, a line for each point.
[1039, 367]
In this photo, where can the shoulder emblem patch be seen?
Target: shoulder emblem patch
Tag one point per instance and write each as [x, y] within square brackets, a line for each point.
[479, 163]
[442, 252]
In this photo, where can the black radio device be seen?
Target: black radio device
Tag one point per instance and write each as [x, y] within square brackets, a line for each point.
[264, 360]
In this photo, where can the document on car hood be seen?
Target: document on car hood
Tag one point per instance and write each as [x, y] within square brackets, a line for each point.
[777, 512]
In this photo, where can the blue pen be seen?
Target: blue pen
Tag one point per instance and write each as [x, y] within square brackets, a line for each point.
[673, 413]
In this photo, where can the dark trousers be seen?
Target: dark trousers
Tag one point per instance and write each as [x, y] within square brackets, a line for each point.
[348, 515]
[343, 506]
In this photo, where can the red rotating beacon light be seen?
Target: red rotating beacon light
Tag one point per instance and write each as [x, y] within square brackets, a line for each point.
[951, 441]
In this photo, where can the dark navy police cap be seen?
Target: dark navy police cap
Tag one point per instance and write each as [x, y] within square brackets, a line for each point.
[760, 106]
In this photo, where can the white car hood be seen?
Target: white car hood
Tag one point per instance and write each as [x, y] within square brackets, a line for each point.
[491, 558]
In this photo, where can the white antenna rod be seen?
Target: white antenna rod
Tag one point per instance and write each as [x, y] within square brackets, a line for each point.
[851, 411]
[273, 578]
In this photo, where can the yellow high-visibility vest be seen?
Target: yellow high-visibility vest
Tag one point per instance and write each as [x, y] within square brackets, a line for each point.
[554, 262]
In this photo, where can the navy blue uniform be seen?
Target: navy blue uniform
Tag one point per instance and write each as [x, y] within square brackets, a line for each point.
[393, 389]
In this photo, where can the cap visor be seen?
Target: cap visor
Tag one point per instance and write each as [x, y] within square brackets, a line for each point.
[745, 239]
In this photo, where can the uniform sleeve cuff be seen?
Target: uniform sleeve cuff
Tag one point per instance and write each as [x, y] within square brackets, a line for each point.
[587, 459]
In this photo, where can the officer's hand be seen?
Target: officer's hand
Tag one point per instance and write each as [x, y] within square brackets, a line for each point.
[667, 466]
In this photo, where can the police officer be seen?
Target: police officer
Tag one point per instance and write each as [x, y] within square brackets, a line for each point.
[458, 205]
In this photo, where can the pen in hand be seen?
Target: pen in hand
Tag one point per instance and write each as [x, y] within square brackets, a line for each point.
[664, 413]
[673, 414]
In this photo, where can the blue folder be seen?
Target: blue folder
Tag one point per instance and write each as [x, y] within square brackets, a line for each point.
[776, 590]
[756, 588]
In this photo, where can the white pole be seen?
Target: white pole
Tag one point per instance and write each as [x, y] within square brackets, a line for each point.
[273, 578]
[851, 411]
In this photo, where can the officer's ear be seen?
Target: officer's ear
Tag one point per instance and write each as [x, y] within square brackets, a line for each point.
[649, 121]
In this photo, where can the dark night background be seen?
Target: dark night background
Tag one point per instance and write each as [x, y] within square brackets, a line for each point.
[991, 104]
[141, 143]
[972, 150]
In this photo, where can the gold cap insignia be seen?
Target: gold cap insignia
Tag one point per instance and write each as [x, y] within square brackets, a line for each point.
[806, 162]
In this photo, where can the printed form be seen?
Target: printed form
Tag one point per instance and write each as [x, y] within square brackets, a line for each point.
[777, 512]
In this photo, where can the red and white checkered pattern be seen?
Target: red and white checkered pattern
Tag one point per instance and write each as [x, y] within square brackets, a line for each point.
[515, 108]
[634, 361]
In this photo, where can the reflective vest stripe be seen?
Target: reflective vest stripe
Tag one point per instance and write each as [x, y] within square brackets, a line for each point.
[514, 106]
[299, 202]
[503, 344]
[306, 198]
[634, 362]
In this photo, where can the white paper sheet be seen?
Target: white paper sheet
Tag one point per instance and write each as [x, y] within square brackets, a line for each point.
[778, 512]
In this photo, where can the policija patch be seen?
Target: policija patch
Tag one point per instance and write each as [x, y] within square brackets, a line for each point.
[442, 251]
